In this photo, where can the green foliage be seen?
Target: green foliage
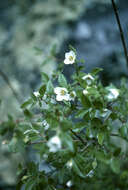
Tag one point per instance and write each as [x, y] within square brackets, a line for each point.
[62, 81]
[77, 129]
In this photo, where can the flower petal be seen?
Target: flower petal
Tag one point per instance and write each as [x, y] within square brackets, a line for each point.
[85, 92]
[57, 90]
[72, 53]
[66, 97]
[59, 98]
[68, 56]
[54, 144]
[66, 61]
[88, 76]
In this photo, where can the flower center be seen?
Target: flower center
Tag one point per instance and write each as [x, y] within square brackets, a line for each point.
[70, 58]
[72, 95]
[62, 92]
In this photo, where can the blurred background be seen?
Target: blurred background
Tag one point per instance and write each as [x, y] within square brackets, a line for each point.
[29, 29]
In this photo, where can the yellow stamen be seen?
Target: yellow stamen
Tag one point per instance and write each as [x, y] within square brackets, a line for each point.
[63, 92]
[70, 58]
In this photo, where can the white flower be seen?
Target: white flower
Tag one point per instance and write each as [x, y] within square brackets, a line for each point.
[89, 78]
[45, 156]
[44, 97]
[37, 94]
[46, 125]
[4, 142]
[85, 92]
[70, 57]
[114, 93]
[61, 94]
[69, 183]
[54, 144]
[72, 95]
[69, 164]
[90, 174]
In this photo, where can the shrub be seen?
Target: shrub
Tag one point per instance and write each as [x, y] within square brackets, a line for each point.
[79, 130]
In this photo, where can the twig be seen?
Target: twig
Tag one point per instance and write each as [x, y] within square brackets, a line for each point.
[121, 30]
[85, 147]
[83, 142]
[4, 76]
[38, 142]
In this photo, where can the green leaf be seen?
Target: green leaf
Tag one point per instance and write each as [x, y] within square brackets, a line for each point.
[49, 87]
[42, 90]
[12, 145]
[117, 152]
[68, 142]
[16, 145]
[76, 169]
[81, 113]
[72, 48]
[53, 50]
[62, 81]
[94, 164]
[33, 97]
[85, 101]
[27, 103]
[80, 68]
[61, 176]
[78, 127]
[96, 70]
[38, 51]
[66, 125]
[27, 113]
[29, 185]
[115, 165]
[100, 138]
[44, 77]
[123, 131]
[82, 61]
[106, 114]
[102, 157]
[19, 185]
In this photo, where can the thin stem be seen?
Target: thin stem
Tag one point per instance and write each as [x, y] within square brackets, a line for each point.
[78, 137]
[5, 78]
[38, 142]
[76, 68]
[121, 31]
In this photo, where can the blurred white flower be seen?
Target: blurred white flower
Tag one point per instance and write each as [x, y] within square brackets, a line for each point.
[44, 97]
[45, 156]
[113, 93]
[45, 124]
[4, 142]
[89, 78]
[37, 94]
[54, 144]
[69, 164]
[69, 183]
[72, 95]
[90, 174]
[61, 94]
[85, 92]
[70, 57]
